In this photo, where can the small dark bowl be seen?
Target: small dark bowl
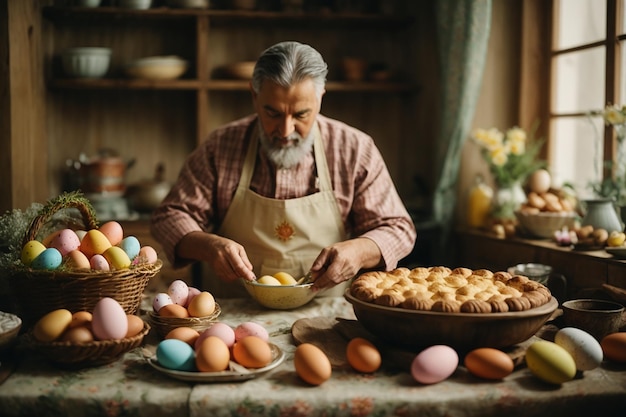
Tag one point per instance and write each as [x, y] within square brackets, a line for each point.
[596, 317]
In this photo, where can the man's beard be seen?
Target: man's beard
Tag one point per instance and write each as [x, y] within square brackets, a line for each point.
[289, 156]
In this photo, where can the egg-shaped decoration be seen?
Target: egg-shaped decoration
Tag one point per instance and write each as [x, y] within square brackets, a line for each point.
[184, 333]
[176, 354]
[131, 246]
[147, 255]
[77, 260]
[614, 347]
[583, 347]
[109, 320]
[50, 259]
[80, 334]
[31, 250]
[434, 364]
[160, 300]
[135, 325]
[52, 325]
[113, 231]
[65, 241]
[311, 364]
[489, 363]
[550, 362]
[193, 291]
[99, 263]
[178, 291]
[94, 243]
[202, 305]
[252, 352]
[212, 355]
[117, 258]
[250, 328]
[174, 310]
[221, 330]
[362, 355]
[82, 318]
[539, 181]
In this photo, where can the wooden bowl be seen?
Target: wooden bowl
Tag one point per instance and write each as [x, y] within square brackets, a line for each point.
[596, 317]
[416, 330]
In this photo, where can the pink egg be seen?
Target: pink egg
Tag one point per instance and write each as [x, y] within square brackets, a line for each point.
[147, 255]
[109, 320]
[434, 364]
[99, 263]
[250, 328]
[65, 241]
[193, 291]
[219, 329]
[178, 291]
[160, 300]
[113, 231]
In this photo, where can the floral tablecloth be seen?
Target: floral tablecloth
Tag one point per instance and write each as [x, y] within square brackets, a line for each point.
[131, 387]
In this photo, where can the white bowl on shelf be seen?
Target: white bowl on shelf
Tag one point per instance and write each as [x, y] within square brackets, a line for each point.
[135, 4]
[86, 62]
[157, 68]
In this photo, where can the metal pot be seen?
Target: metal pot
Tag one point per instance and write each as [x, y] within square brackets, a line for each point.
[146, 195]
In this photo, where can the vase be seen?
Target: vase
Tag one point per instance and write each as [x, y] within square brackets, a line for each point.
[507, 200]
[601, 214]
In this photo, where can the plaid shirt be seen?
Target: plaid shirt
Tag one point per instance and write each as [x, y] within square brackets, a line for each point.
[368, 200]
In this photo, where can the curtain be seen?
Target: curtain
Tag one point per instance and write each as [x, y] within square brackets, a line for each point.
[463, 28]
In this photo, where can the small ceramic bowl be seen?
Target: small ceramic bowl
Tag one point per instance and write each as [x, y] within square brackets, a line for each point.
[10, 326]
[280, 297]
[596, 317]
[86, 62]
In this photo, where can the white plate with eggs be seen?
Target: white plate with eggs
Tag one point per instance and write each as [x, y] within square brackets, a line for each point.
[235, 372]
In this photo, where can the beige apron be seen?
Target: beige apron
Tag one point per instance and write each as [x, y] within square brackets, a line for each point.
[282, 235]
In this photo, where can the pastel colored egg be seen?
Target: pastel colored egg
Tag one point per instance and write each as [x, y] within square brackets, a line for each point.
[49, 259]
[109, 320]
[113, 231]
[147, 255]
[31, 250]
[94, 243]
[99, 263]
[250, 328]
[178, 291]
[65, 241]
[161, 300]
[434, 364]
[117, 258]
[193, 291]
[131, 246]
[218, 329]
[176, 354]
[77, 260]
[52, 325]
[583, 347]
[550, 362]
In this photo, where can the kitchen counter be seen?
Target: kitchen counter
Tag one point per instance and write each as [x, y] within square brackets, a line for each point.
[131, 387]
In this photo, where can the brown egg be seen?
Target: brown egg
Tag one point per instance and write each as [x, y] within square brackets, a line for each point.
[614, 347]
[212, 355]
[312, 364]
[202, 305]
[362, 355]
[81, 318]
[79, 334]
[186, 334]
[489, 363]
[252, 352]
[135, 325]
[174, 310]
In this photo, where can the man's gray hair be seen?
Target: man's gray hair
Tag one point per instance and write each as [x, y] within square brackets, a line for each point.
[288, 63]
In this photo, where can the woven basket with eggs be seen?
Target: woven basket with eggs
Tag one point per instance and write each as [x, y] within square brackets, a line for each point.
[39, 290]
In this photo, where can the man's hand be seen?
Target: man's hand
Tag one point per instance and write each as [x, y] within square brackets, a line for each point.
[343, 260]
[227, 258]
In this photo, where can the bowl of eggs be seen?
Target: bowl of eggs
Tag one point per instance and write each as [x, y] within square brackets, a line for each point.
[280, 291]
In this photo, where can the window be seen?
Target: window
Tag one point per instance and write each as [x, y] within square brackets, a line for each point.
[588, 71]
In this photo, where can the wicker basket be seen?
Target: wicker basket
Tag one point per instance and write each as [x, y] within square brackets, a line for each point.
[80, 355]
[37, 292]
[164, 325]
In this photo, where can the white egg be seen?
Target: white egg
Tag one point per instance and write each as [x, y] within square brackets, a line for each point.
[540, 181]
[160, 300]
[583, 347]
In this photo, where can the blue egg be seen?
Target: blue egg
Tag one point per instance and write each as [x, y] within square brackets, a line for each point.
[176, 354]
[131, 246]
[49, 259]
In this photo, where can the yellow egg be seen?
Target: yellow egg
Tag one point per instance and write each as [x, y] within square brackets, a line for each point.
[94, 243]
[252, 352]
[202, 305]
[268, 280]
[362, 355]
[312, 364]
[31, 250]
[284, 278]
[51, 326]
[116, 257]
[550, 362]
[212, 355]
